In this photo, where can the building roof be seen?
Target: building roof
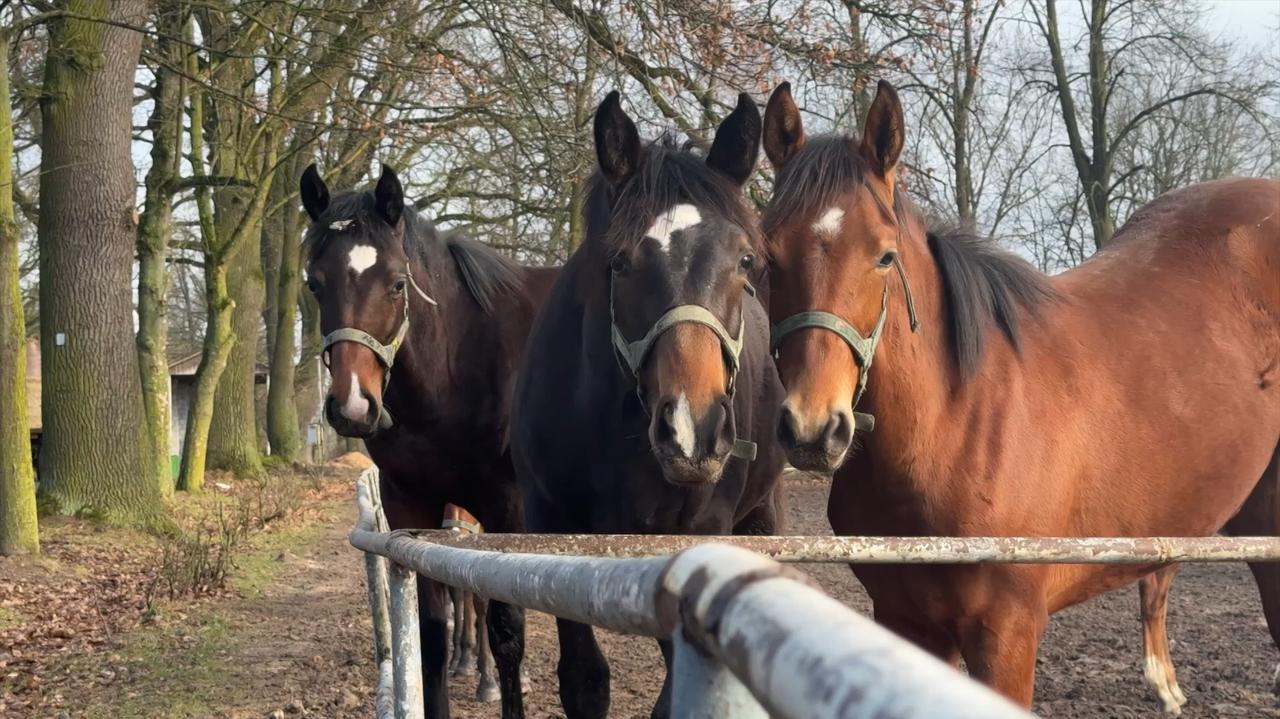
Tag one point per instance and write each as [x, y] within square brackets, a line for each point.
[187, 366]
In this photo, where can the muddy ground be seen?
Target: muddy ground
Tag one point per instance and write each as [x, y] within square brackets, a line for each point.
[290, 635]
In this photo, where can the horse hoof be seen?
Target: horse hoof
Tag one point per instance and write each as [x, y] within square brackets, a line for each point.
[488, 693]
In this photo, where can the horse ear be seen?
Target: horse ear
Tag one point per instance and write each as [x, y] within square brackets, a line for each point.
[882, 133]
[737, 143]
[783, 131]
[315, 194]
[617, 141]
[388, 197]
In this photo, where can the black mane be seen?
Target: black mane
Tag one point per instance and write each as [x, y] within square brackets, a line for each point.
[982, 282]
[669, 174]
[487, 274]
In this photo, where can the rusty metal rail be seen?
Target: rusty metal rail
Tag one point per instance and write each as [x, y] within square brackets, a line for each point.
[752, 638]
[883, 550]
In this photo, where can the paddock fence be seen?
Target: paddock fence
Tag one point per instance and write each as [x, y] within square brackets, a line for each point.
[752, 637]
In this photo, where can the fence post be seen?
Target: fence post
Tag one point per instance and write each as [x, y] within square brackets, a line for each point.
[703, 688]
[406, 643]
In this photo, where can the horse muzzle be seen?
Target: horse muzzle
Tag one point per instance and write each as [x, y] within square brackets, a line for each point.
[813, 448]
[692, 447]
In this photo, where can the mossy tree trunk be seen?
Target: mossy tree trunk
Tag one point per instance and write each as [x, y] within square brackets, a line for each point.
[18, 528]
[95, 455]
[154, 229]
[234, 138]
[221, 244]
[283, 429]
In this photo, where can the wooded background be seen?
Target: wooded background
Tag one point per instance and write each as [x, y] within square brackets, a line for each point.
[151, 154]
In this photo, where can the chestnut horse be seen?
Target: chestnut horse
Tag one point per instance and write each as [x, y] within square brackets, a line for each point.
[469, 649]
[452, 315]
[648, 400]
[1135, 395]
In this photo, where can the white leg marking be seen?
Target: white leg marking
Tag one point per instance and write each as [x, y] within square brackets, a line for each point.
[356, 408]
[1159, 682]
[361, 258]
[675, 219]
[682, 426]
[829, 223]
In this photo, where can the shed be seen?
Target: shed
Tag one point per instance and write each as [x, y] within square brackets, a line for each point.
[182, 389]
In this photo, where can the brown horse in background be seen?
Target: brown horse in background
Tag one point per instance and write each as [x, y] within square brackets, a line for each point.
[424, 333]
[1135, 395]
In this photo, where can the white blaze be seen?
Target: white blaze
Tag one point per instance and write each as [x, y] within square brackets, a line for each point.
[682, 426]
[362, 257]
[356, 408]
[675, 219]
[829, 223]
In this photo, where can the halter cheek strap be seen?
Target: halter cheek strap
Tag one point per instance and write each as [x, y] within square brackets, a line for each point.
[863, 347]
[386, 353]
[635, 353]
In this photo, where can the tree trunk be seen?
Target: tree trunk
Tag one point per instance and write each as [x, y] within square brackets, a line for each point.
[282, 412]
[18, 527]
[233, 433]
[154, 228]
[96, 450]
[221, 242]
[306, 379]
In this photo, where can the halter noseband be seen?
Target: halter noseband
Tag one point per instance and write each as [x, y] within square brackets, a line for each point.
[863, 346]
[635, 353]
[386, 353]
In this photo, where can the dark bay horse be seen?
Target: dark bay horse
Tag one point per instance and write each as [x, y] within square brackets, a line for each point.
[648, 400]
[1136, 395]
[423, 337]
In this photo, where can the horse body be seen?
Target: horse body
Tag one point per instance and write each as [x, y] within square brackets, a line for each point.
[468, 312]
[610, 440]
[1135, 395]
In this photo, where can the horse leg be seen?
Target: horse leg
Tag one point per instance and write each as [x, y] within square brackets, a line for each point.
[458, 627]
[487, 686]
[1260, 515]
[662, 709]
[505, 513]
[1153, 590]
[932, 640]
[583, 672]
[999, 649]
[467, 654]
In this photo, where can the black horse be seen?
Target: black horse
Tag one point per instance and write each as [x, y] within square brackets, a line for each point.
[452, 316]
[648, 400]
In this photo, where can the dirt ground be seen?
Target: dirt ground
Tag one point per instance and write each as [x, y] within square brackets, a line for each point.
[290, 636]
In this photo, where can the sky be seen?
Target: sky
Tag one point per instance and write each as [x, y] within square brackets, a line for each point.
[1254, 21]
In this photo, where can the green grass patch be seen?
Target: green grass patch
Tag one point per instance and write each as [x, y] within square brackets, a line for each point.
[255, 567]
[10, 618]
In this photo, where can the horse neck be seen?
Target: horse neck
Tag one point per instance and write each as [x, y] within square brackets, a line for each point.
[433, 352]
[912, 376]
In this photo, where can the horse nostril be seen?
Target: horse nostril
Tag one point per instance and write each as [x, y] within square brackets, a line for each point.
[725, 433]
[788, 429]
[838, 433]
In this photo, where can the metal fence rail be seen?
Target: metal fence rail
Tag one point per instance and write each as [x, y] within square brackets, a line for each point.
[752, 637]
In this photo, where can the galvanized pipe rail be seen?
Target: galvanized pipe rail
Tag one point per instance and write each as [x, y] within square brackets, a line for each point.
[752, 638]
[886, 550]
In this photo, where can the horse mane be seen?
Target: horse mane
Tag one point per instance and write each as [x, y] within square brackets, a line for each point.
[670, 173]
[982, 283]
[486, 273]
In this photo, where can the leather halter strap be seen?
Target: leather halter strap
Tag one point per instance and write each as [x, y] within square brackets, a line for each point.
[462, 525]
[633, 354]
[386, 353]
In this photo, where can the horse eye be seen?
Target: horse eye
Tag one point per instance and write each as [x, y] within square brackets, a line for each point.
[888, 258]
[315, 287]
[747, 263]
[398, 287]
[618, 264]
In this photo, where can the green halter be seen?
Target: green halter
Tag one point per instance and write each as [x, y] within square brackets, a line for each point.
[386, 353]
[864, 347]
[635, 353]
